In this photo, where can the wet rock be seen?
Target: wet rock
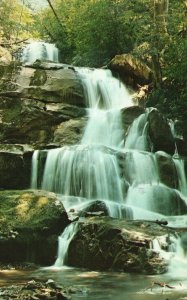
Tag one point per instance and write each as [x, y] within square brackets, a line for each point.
[129, 114]
[95, 208]
[167, 170]
[160, 133]
[132, 70]
[34, 290]
[70, 132]
[30, 222]
[181, 146]
[103, 243]
[165, 201]
[51, 86]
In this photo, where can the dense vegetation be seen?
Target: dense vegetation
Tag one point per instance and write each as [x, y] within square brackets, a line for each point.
[91, 32]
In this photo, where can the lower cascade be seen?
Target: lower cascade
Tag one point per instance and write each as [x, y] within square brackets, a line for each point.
[113, 167]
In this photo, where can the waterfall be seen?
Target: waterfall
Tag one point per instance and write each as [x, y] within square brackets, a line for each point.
[102, 90]
[137, 137]
[39, 50]
[90, 171]
[105, 96]
[179, 163]
[84, 172]
[104, 128]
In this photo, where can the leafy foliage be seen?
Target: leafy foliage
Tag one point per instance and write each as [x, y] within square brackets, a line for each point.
[91, 32]
[16, 22]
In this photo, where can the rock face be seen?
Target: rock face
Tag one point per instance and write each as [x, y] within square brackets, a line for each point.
[30, 222]
[35, 100]
[131, 70]
[70, 132]
[51, 86]
[106, 244]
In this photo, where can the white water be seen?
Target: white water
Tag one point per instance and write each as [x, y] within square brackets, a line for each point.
[34, 174]
[137, 137]
[102, 90]
[178, 265]
[179, 163]
[142, 168]
[89, 170]
[63, 243]
[83, 171]
[104, 128]
[39, 50]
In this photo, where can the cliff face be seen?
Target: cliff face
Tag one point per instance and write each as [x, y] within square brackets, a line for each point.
[42, 106]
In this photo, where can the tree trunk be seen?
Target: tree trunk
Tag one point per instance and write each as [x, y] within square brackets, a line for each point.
[160, 15]
[160, 32]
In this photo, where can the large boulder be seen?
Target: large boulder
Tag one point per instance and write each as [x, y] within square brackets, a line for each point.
[15, 166]
[160, 133]
[30, 222]
[108, 244]
[132, 70]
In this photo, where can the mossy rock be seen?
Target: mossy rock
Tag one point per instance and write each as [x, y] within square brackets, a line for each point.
[30, 222]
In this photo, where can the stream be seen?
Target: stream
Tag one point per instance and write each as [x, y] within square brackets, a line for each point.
[95, 285]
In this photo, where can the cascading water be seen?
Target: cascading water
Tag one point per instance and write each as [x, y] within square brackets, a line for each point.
[137, 137]
[88, 172]
[64, 241]
[179, 163]
[39, 50]
[178, 265]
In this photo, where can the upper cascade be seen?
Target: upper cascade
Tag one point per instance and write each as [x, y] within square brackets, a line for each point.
[39, 50]
[102, 90]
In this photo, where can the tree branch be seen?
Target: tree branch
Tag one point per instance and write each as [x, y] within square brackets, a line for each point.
[13, 43]
[55, 14]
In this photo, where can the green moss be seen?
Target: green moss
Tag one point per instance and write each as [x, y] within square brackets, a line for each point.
[12, 113]
[39, 78]
[2, 71]
[27, 209]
